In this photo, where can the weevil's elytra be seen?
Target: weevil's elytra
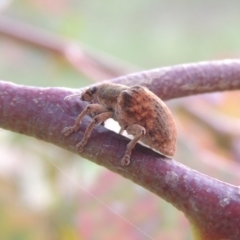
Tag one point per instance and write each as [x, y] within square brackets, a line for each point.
[137, 110]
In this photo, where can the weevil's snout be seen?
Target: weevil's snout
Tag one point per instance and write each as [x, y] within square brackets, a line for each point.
[72, 95]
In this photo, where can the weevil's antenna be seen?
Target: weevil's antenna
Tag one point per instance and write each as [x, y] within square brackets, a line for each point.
[72, 95]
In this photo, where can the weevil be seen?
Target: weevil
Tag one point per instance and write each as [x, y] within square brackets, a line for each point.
[137, 110]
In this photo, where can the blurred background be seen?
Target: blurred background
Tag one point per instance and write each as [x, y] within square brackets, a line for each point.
[44, 190]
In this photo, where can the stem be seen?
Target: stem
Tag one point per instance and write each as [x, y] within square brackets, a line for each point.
[94, 64]
[188, 79]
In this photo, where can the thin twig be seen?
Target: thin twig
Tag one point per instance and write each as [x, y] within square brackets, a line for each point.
[220, 123]
[94, 64]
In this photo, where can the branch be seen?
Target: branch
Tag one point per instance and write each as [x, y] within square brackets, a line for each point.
[92, 63]
[225, 125]
[212, 206]
[188, 79]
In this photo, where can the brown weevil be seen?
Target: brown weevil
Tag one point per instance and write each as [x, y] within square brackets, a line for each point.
[137, 110]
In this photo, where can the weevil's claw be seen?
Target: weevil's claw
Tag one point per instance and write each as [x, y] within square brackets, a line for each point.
[80, 146]
[125, 160]
[68, 130]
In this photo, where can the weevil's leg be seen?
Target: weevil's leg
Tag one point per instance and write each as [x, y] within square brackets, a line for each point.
[121, 130]
[137, 131]
[97, 119]
[92, 108]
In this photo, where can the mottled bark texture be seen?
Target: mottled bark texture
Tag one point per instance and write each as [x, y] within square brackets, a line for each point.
[187, 79]
[212, 206]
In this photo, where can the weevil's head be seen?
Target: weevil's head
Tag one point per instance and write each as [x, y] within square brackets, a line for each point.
[89, 94]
